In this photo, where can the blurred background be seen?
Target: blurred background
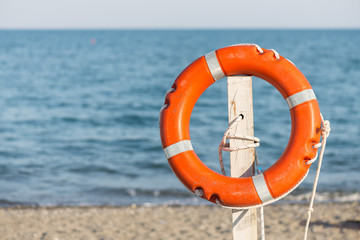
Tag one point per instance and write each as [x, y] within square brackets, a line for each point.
[82, 83]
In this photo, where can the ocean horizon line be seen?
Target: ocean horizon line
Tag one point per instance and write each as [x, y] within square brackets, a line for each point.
[184, 29]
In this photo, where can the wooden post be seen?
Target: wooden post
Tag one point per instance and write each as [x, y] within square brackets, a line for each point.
[240, 101]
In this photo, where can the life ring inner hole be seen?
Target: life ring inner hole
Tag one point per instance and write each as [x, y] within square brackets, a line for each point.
[209, 120]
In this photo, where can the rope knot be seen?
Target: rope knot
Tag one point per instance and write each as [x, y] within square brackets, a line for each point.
[325, 132]
[224, 146]
[326, 128]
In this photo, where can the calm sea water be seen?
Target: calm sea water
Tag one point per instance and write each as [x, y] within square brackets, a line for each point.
[79, 112]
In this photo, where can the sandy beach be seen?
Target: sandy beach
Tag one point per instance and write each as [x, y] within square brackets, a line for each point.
[286, 221]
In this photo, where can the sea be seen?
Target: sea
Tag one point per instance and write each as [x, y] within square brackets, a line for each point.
[79, 113]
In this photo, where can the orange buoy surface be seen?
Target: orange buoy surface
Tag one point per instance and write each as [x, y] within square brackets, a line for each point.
[287, 172]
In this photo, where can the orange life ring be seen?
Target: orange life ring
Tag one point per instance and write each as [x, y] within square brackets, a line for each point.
[288, 171]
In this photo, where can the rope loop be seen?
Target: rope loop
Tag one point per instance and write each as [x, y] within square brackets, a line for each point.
[325, 132]
[224, 146]
[308, 162]
[276, 54]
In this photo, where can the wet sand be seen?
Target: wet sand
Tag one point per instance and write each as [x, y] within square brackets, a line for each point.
[283, 221]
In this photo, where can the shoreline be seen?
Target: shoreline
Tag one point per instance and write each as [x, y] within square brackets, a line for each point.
[282, 221]
[159, 205]
[284, 201]
[296, 197]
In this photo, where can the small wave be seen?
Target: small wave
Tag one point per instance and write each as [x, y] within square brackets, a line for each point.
[136, 120]
[82, 121]
[154, 165]
[138, 192]
[93, 169]
[13, 154]
[324, 197]
[8, 203]
[157, 148]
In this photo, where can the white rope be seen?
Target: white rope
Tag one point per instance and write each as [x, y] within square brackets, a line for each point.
[261, 51]
[308, 162]
[224, 146]
[276, 54]
[325, 131]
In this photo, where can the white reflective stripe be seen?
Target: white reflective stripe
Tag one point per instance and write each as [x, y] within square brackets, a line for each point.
[261, 188]
[300, 97]
[177, 148]
[214, 66]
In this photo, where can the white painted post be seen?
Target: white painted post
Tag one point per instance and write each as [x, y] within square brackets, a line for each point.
[240, 101]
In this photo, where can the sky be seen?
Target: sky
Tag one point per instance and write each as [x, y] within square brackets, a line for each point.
[175, 14]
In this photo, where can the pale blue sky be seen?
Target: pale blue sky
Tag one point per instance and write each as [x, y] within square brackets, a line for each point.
[98, 14]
